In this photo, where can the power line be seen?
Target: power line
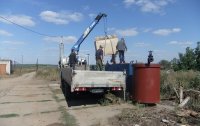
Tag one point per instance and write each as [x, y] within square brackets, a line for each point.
[42, 34]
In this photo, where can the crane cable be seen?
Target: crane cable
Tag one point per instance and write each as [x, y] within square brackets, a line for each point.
[106, 35]
[105, 32]
[42, 34]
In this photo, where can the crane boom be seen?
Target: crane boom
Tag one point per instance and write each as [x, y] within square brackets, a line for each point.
[76, 46]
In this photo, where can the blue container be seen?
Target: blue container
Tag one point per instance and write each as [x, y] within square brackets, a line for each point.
[128, 67]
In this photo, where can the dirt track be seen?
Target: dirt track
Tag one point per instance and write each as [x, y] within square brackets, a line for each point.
[27, 101]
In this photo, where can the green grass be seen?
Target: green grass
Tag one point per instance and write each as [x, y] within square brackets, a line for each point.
[8, 115]
[68, 119]
[27, 114]
[46, 112]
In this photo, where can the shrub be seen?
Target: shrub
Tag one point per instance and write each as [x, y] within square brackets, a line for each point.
[171, 80]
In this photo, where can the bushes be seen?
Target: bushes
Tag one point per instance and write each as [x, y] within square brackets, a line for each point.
[170, 80]
[187, 79]
[195, 83]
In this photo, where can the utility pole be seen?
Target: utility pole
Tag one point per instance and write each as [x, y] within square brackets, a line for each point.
[88, 60]
[37, 65]
[21, 65]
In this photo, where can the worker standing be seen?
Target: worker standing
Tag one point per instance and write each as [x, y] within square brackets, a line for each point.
[72, 59]
[121, 47]
[99, 58]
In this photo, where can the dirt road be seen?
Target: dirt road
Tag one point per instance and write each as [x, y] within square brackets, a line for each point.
[27, 101]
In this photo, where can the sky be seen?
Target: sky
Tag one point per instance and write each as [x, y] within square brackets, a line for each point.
[166, 27]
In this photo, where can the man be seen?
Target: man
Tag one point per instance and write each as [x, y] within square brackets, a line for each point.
[99, 58]
[72, 59]
[121, 47]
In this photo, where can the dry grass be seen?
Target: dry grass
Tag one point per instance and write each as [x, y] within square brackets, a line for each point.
[170, 80]
[186, 79]
[49, 73]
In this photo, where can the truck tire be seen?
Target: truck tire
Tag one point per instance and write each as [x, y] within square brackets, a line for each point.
[68, 92]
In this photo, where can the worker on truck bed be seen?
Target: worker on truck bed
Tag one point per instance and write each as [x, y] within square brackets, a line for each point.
[121, 47]
[99, 58]
[72, 59]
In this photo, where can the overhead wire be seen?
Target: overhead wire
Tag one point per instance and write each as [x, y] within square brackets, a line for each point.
[23, 27]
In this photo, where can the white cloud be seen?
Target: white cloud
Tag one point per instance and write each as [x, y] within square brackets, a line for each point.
[127, 32]
[60, 17]
[13, 42]
[92, 15]
[154, 6]
[5, 33]
[65, 39]
[165, 32]
[147, 30]
[142, 44]
[129, 2]
[179, 43]
[111, 29]
[18, 19]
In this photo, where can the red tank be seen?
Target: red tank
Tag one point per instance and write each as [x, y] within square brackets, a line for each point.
[146, 80]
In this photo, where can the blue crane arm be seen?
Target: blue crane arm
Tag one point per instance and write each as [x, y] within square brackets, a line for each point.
[76, 46]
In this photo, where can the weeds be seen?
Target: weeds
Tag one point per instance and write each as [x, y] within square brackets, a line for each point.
[186, 79]
[170, 80]
[50, 73]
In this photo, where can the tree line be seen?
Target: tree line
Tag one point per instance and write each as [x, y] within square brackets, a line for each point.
[190, 60]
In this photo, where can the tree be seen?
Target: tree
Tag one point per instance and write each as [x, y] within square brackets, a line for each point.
[165, 64]
[197, 54]
[187, 60]
[174, 63]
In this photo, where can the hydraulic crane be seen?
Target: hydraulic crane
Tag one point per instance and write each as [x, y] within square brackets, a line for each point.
[76, 46]
[64, 60]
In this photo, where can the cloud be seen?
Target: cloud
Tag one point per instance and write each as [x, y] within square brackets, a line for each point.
[60, 17]
[142, 44]
[13, 42]
[147, 30]
[127, 32]
[165, 32]
[179, 43]
[18, 19]
[129, 2]
[86, 7]
[5, 33]
[111, 29]
[154, 6]
[92, 15]
[65, 39]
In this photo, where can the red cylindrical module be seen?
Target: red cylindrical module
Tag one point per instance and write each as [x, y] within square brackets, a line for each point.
[146, 79]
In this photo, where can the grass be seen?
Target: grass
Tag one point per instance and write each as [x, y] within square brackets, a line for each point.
[8, 115]
[25, 101]
[68, 119]
[170, 80]
[50, 73]
[46, 112]
[187, 79]
[27, 114]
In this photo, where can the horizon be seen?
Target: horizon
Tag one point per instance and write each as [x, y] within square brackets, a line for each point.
[166, 27]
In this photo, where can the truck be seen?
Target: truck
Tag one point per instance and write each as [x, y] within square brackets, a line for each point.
[82, 79]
